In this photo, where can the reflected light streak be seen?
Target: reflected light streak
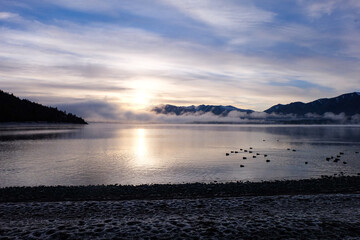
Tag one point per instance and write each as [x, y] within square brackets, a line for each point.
[141, 152]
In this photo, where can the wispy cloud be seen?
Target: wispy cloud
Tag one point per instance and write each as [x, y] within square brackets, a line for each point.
[248, 54]
[7, 15]
[225, 15]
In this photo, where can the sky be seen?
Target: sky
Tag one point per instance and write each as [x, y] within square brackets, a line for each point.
[113, 60]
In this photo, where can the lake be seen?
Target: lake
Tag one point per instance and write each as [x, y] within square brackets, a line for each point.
[46, 154]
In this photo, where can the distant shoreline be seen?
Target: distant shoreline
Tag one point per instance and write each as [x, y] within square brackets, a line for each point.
[324, 185]
[41, 123]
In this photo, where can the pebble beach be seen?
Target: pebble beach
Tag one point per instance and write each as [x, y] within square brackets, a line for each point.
[333, 216]
[221, 215]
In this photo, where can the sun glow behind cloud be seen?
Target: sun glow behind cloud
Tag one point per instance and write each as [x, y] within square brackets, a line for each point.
[135, 54]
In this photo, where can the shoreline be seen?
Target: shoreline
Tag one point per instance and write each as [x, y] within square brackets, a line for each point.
[324, 185]
[325, 208]
[321, 216]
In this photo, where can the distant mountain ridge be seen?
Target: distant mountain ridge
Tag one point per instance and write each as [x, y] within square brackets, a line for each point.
[14, 109]
[201, 109]
[348, 103]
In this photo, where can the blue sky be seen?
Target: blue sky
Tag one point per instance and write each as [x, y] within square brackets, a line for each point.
[119, 58]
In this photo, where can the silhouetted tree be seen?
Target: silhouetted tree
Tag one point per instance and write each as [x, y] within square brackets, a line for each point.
[14, 109]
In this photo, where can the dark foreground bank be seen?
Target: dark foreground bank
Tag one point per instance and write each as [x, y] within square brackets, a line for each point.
[320, 216]
[326, 208]
[324, 185]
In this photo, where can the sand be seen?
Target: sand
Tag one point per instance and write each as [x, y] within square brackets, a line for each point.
[321, 216]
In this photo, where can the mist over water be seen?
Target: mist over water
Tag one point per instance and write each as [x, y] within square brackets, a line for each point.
[172, 153]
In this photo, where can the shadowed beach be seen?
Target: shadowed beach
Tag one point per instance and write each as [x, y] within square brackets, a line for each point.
[315, 208]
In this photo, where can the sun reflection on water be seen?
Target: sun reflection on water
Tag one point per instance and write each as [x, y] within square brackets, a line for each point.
[141, 150]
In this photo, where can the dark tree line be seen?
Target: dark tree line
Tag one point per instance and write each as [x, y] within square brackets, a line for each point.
[14, 109]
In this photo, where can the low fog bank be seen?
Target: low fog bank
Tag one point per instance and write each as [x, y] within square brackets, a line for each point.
[103, 111]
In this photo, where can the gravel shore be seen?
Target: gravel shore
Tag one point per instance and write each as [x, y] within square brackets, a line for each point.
[327, 208]
[324, 216]
[326, 184]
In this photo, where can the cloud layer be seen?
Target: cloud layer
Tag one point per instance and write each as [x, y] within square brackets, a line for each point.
[134, 54]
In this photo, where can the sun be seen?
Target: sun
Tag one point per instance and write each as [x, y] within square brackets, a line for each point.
[141, 99]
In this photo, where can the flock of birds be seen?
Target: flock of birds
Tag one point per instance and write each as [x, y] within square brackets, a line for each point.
[250, 151]
[335, 159]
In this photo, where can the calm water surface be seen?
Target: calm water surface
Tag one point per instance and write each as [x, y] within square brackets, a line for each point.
[138, 154]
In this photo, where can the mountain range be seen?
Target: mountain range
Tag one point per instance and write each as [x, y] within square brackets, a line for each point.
[14, 109]
[180, 110]
[349, 104]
